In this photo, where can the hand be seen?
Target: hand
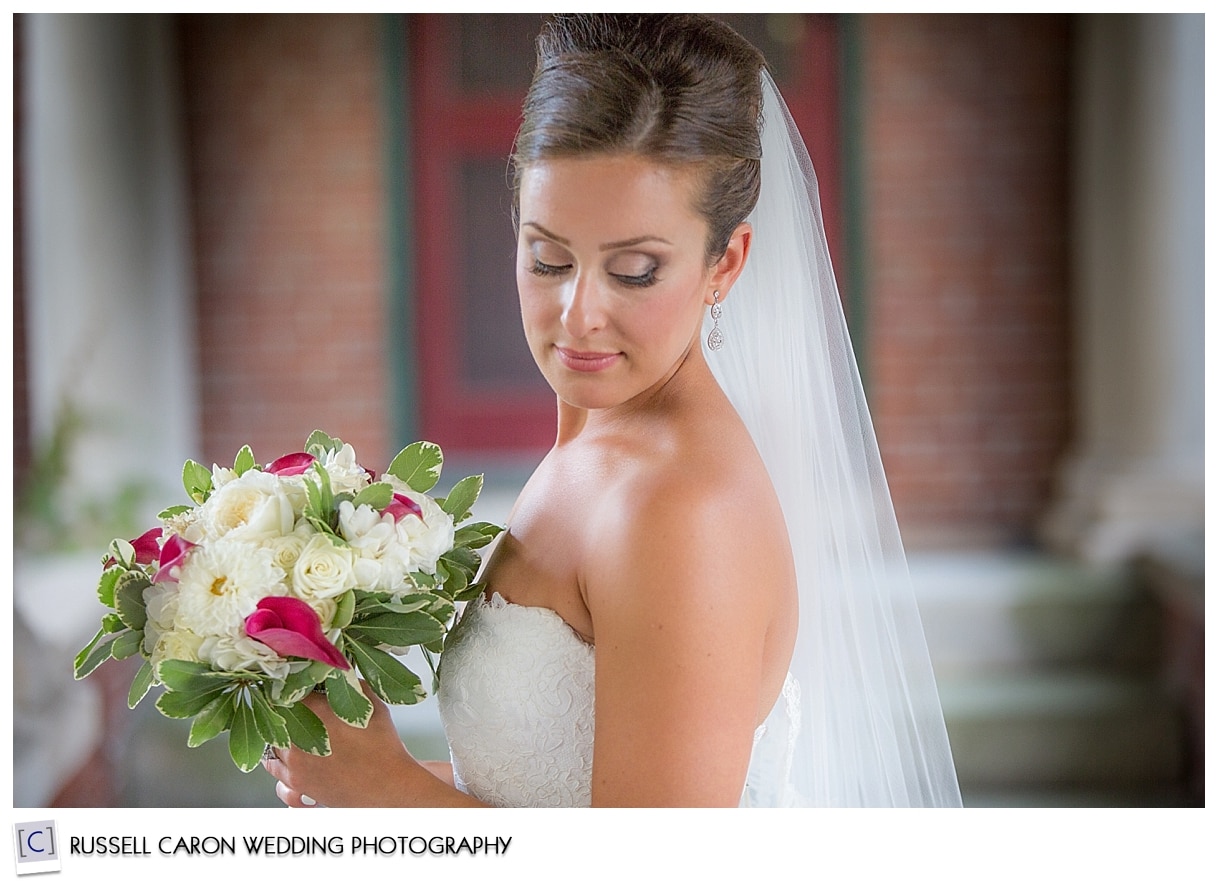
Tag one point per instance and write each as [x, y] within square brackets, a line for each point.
[365, 767]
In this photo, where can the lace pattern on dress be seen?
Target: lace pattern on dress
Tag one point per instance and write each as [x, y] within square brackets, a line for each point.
[516, 699]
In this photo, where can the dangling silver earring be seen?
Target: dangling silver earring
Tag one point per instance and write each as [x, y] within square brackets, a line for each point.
[714, 340]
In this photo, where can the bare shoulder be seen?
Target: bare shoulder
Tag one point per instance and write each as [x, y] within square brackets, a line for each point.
[693, 530]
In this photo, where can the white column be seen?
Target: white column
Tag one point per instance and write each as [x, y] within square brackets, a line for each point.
[109, 305]
[109, 296]
[1135, 478]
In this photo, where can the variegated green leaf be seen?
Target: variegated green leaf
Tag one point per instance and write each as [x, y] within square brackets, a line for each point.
[306, 730]
[388, 677]
[347, 699]
[140, 685]
[462, 497]
[212, 720]
[245, 745]
[418, 465]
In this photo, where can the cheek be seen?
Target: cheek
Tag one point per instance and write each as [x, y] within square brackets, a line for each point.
[535, 306]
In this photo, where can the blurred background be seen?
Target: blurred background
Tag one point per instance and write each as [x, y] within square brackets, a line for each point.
[235, 229]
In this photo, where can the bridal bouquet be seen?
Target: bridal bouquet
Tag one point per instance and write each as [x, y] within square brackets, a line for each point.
[286, 578]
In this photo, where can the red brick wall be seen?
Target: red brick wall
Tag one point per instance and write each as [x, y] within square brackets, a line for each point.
[965, 176]
[285, 146]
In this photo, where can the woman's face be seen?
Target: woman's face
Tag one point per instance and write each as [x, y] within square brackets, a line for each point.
[611, 267]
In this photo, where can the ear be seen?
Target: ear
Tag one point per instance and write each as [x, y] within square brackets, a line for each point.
[728, 267]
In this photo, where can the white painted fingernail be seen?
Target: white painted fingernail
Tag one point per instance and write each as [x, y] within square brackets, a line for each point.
[307, 800]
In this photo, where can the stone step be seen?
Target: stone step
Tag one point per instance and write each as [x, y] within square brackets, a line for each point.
[1061, 730]
[1002, 611]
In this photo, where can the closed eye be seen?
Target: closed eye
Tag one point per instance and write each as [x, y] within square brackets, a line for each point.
[545, 269]
[644, 280]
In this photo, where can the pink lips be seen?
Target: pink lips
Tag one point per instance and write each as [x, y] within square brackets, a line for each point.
[588, 362]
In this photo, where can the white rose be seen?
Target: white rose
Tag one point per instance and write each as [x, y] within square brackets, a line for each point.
[285, 550]
[221, 584]
[323, 570]
[254, 507]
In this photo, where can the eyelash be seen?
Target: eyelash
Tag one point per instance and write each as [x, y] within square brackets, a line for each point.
[646, 280]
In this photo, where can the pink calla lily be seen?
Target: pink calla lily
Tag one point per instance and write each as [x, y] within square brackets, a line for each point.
[291, 464]
[402, 506]
[173, 553]
[290, 626]
[147, 546]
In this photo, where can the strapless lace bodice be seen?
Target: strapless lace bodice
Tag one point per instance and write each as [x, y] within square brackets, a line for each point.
[516, 699]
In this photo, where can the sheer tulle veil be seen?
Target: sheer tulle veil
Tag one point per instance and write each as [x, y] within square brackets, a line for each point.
[867, 724]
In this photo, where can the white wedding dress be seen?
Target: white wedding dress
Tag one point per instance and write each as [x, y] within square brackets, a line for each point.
[516, 699]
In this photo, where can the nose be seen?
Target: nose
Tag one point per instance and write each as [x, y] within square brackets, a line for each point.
[584, 307]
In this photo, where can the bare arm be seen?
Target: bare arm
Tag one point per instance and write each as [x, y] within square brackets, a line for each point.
[681, 596]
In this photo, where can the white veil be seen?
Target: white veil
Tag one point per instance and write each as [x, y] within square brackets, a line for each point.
[864, 717]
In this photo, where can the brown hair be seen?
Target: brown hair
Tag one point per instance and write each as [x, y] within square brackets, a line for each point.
[676, 89]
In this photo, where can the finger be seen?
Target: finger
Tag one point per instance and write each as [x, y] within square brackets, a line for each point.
[292, 799]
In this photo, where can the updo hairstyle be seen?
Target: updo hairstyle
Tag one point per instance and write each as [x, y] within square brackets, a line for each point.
[680, 90]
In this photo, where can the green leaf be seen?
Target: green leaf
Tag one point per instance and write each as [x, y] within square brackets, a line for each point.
[212, 720]
[91, 656]
[306, 729]
[123, 552]
[476, 535]
[105, 585]
[300, 683]
[464, 558]
[344, 610]
[181, 675]
[245, 745]
[112, 624]
[347, 700]
[458, 580]
[271, 726]
[377, 495]
[197, 481]
[173, 511]
[462, 497]
[319, 443]
[388, 677]
[127, 644]
[374, 604]
[418, 465]
[397, 629]
[244, 462]
[129, 599]
[182, 705]
[471, 591]
[320, 504]
[441, 608]
[140, 685]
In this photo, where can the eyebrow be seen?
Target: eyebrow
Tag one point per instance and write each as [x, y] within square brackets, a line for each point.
[608, 246]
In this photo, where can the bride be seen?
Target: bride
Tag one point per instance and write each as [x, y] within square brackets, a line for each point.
[700, 598]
